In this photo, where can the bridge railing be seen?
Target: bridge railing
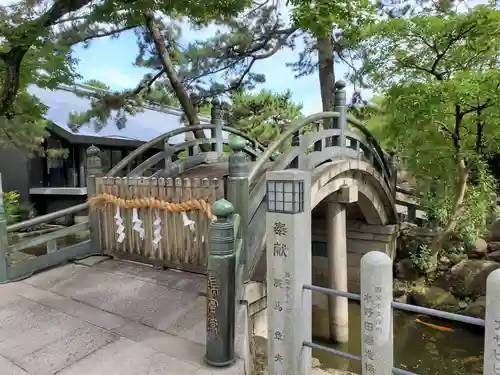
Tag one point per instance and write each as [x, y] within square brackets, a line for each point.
[376, 300]
[167, 156]
[289, 293]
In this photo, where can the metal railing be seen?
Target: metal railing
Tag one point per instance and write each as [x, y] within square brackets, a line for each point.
[395, 305]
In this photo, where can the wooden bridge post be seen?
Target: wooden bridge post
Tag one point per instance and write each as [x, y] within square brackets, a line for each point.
[94, 169]
[215, 119]
[4, 243]
[221, 287]
[238, 191]
[289, 258]
[340, 107]
[376, 314]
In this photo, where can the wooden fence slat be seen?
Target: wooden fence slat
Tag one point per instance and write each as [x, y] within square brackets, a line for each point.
[207, 192]
[188, 250]
[180, 230]
[172, 237]
[200, 224]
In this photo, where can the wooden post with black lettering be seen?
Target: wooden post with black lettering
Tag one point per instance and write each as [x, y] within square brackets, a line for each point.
[221, 287]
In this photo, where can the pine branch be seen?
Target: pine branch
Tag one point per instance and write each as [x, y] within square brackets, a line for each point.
[175, 81]
[27, 34]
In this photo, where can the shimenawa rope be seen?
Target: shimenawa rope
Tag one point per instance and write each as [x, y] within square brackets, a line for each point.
[150, 202]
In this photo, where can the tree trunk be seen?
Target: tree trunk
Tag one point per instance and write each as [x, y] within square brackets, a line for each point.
[181, 93]
[461, 189]
[326, 78]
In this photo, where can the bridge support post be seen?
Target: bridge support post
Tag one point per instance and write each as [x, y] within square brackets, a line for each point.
[338, 307]
[238, 191]
[94, 169]
[215, 119]
[289, 258]
[221, 287]
[4, 244]
[376, 314]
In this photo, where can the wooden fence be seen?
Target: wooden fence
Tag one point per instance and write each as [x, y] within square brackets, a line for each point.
[181, 246]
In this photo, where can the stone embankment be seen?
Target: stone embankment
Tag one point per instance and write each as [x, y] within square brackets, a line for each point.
[453, 279]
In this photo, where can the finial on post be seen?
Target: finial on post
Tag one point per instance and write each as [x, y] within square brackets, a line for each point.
[94, 165]
[238, 159]
[222, 209]
[340, 96]
[216, 110]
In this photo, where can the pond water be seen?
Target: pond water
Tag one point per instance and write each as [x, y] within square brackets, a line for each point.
[40, 250]
[417, 348]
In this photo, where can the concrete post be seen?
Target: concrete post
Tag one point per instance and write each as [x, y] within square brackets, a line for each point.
[215, 119]
[94, 169]
[338, 307]
[238, 191]
[221, 288]
[492, 325]
[4, 244]
[288, 251]
[376, 314]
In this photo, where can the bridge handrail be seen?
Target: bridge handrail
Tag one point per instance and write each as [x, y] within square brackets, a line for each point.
[45, 218]
[372, 140]
[185, 129]
[293, 128]
[299, 124]
[121, 165]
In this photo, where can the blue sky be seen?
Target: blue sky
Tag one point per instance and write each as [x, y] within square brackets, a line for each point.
[111, 61]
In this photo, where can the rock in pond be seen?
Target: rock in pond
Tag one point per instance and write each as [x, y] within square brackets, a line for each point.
[433, 297]
[468, 278]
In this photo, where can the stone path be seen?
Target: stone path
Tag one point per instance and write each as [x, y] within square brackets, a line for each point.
[109, 318]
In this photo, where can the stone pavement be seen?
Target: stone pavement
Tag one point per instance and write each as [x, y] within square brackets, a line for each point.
[109, 318]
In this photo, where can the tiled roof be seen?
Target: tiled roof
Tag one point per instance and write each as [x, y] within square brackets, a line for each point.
[143, 126]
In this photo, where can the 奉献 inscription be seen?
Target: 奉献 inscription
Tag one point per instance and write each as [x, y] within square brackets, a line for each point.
[280, 229]
[212, 304]
[278, 336]
[280, 250]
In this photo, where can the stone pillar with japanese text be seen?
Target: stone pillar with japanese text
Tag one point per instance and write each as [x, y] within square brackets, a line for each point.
[288, 252]
[376, 314]
[491, 364]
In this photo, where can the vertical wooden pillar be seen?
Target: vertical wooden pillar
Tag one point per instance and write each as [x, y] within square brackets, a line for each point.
[215, 119]
[94, 169]
[238, 191]
[340, 107]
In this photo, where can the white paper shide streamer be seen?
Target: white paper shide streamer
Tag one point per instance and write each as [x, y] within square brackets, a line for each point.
[137, 223]
[120, 228]
[157, 230]
[187, 221]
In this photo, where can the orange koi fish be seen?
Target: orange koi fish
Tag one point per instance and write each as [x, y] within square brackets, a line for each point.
[439, 328]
